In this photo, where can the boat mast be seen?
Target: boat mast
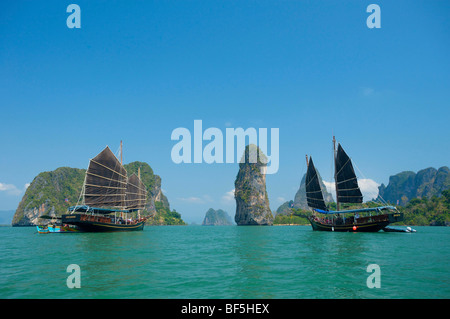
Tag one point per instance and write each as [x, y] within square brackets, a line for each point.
[139, 176]
[121, 162]
[307, 164]
[121, 157]
[335, 173]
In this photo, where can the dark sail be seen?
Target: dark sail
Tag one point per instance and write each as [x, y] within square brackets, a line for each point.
[314, 194]
[136, 193]
[347, 188]
[106, 181]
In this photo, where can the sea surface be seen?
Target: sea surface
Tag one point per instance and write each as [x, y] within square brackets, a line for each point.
[225, 262]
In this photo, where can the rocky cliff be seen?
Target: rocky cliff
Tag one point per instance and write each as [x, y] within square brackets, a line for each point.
[252, 203]
[51, 193]
[216, 218]
[407, 185]
[155, 196]
[300, 198]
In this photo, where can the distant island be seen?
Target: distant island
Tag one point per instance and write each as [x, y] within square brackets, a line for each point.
[51, 193]
[217, 218]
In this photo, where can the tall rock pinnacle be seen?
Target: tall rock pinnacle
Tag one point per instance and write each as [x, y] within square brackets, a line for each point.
[252, 202]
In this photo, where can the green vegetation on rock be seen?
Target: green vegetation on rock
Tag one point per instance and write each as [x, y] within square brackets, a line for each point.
[296, 216]
[405, 186]
[423, 212]
[165, 216]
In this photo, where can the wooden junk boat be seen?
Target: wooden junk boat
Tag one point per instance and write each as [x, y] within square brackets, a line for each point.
[109, 195]
[347, 191]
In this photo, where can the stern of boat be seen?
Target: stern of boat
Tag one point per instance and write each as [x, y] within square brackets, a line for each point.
[395, 217]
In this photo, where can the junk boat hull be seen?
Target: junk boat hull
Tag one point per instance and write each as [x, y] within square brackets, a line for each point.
[364, 227]
[364, 224]
[42, 230]
[92, 223]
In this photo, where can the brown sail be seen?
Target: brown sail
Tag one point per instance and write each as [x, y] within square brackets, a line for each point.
[136, 193]
[106, 181]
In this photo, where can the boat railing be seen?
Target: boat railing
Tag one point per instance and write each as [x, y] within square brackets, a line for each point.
[351, 220]
[95, 218]
[106, 219]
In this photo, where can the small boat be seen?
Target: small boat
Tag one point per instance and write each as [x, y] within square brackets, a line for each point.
[370, 219]
[109, 195]
[399, 230]
[42, 229]
[55, 226]
[49, 229]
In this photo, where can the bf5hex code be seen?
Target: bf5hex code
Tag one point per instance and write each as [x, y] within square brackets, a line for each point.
[246, 308]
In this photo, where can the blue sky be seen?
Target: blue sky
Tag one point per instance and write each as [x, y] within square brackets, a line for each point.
[137, 70]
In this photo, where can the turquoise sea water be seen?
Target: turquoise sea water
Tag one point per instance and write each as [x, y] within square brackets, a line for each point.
[225, 262]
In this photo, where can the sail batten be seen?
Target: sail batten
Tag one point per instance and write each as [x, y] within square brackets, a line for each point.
[314, 195]
[347, 188]
[109, 168]
[347, 180]
[136, 193]
[103, 177]
[110, 187]
[105, 182]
